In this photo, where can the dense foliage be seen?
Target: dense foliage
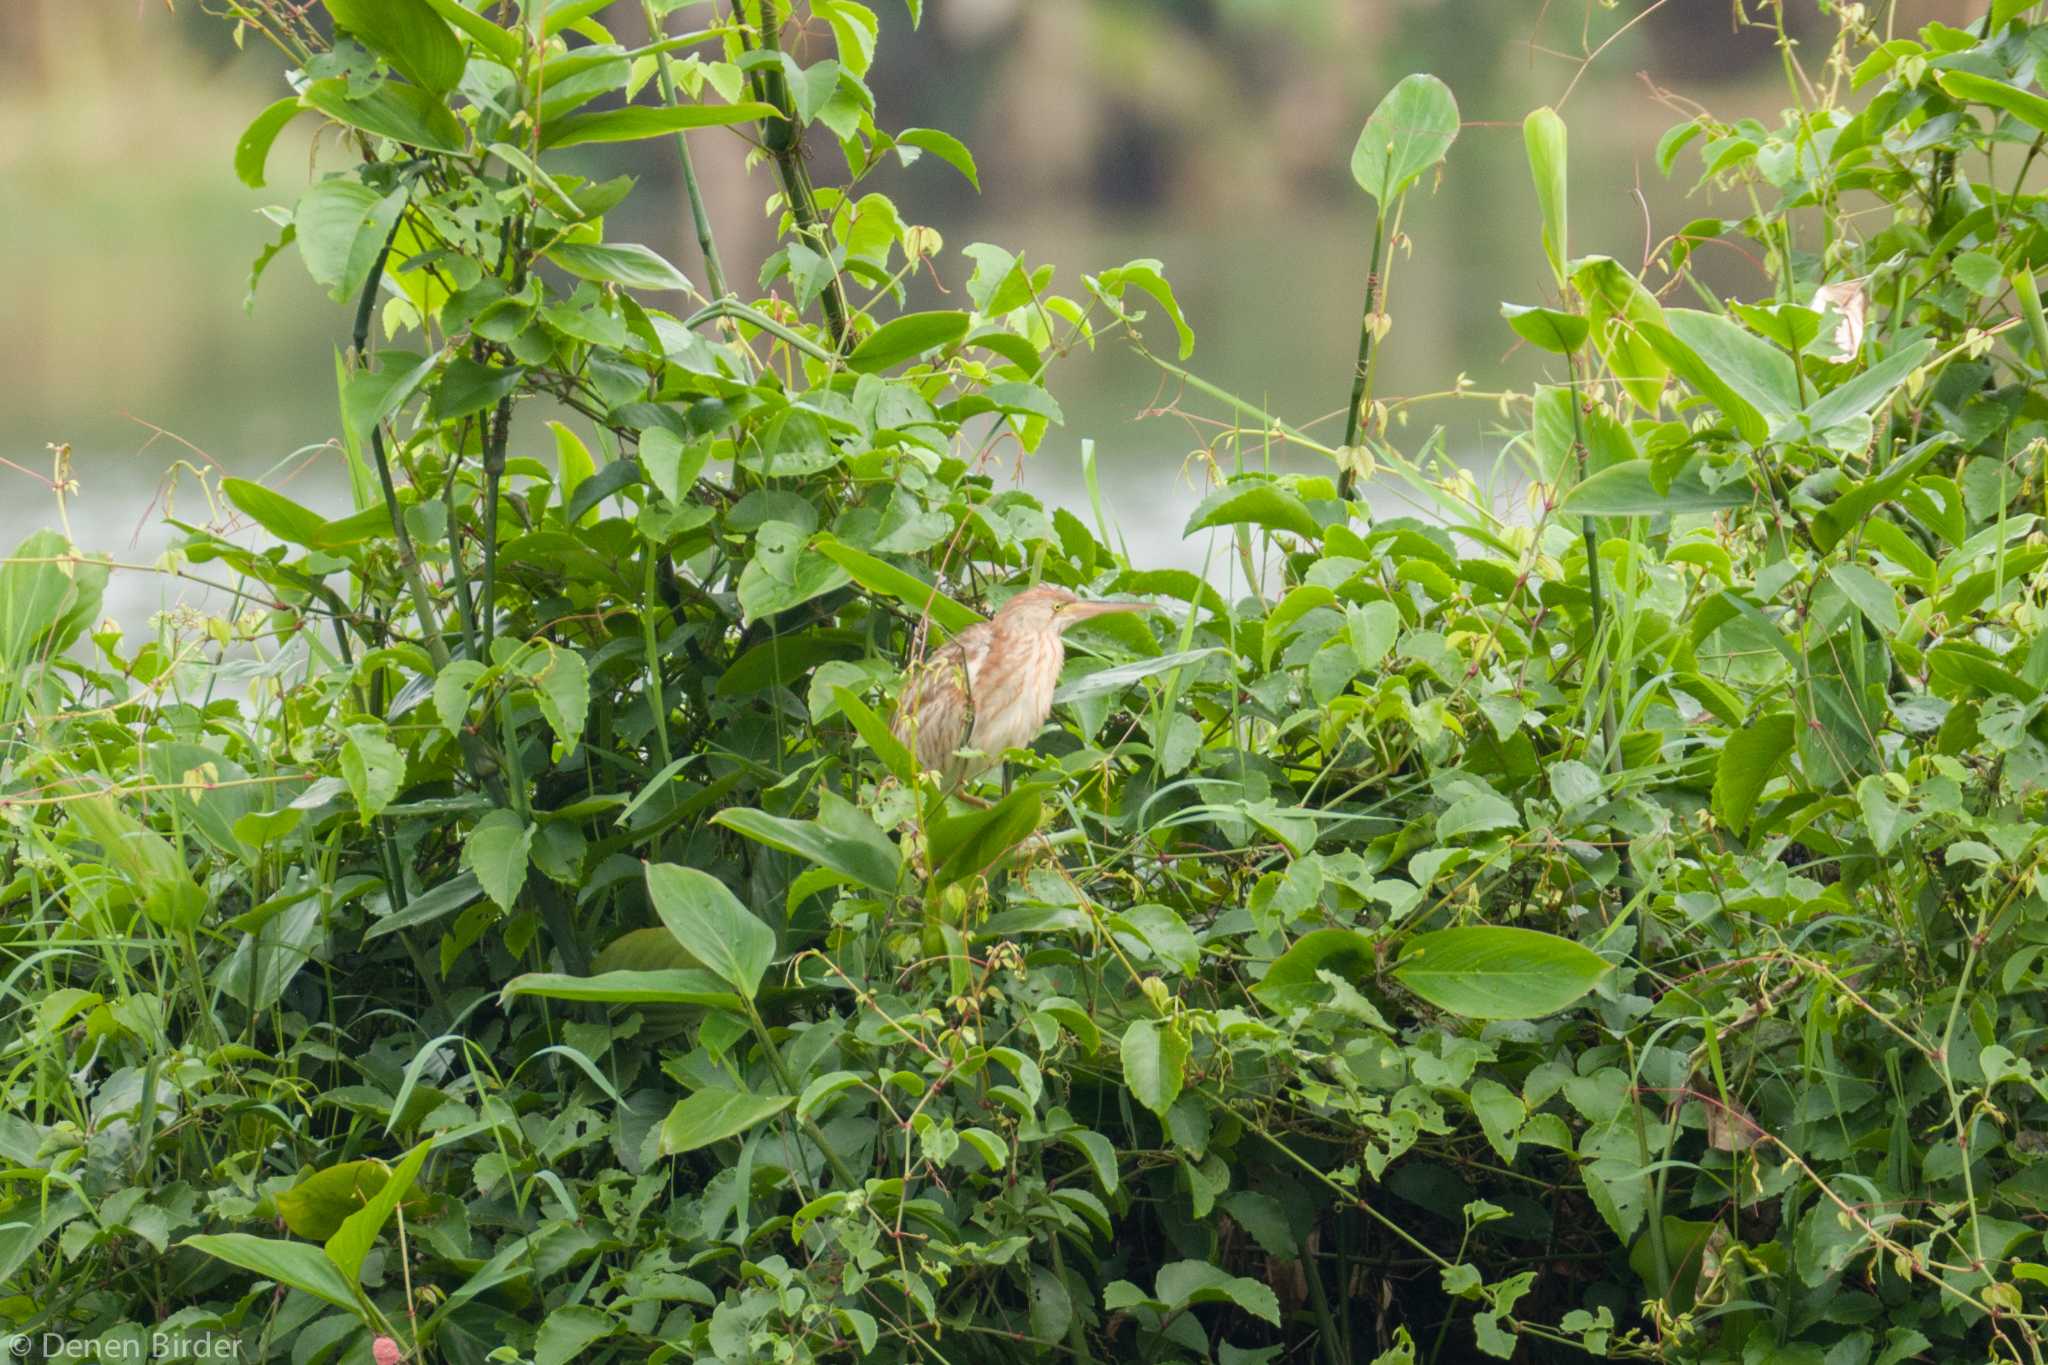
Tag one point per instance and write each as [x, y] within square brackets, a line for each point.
[1607, 925]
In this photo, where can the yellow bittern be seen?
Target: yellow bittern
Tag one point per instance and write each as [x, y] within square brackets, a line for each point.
[990, 687]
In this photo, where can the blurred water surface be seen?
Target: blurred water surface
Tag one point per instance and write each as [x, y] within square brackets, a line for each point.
[1214, 135]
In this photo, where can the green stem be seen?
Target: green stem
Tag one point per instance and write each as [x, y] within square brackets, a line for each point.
[714, 271]
[656, 702]
[783, 141]
[754, 317]
[1077, 1335]
[1354, 417]
[840, 1171]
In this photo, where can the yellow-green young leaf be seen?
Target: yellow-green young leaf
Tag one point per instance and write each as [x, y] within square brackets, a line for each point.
[1544, 137]
[573, 464]
[497, 851]
[373, 767]
[713, 1114]
[454, 687]
[1148, 276]
[1748, 758]
[1155, 1058]
[561, 683]
[1619, 305]
[1498, 971]
[668, 986]
[1255, 502]
[274, 512]
[2024, 105]
[944, 146]
[408, 34]
[1548, 328]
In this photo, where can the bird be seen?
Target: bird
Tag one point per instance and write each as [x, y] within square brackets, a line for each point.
[990, 687]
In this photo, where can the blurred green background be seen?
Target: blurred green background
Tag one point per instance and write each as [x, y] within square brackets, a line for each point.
[1212, 134]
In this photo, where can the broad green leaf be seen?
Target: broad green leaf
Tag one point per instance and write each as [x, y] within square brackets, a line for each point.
[1184, 1284]
[454, 687]
[146, 860]
[1149, 277]
[964, 846]
[503, 47]
[409, 35]
[1543, 137]
[561, 683]
[1619, 307]
[443, 900]
[328, 219]
[712, 1115]
[1561, 333]
[668, 986]
[570, 1331]
[1110, 680]
[49, 596]
[1294, 981]
[1871, 595]
[1859, 395]
[630, 264]
[1498, 971]
[373, 767]
[2024, 105]
[497, 851]
[275, 512]
[252, 151]
[944, 146]
[1627, 490]
[403, 113]
[349, 1245]
[906, 338]
[729, 939]
[573, 467]
[865, 856]
[316, 1207]
[781, 575]
[296, 1265]
[1155, 1059]
[1255, 503]
[895, 755]
[1411, 130]
[638, 121]
[877, 575]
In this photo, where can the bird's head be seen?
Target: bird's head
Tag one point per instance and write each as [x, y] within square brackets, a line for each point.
[1055, 609]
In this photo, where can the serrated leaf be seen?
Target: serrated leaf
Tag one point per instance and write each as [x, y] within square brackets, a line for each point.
[497, 851]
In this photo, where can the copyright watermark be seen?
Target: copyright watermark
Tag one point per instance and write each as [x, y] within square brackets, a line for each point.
[123, 1347]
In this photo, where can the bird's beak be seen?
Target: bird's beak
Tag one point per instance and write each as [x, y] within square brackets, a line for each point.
[1084, 611]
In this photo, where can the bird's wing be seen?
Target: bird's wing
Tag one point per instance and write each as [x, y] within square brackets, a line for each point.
[935, 710]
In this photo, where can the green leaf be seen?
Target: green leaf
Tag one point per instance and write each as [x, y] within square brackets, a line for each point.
[878, 575]
[944, 146]
[667, 986]
[1861, 394]
[349, 1245]
[1155, 1059]
[629, 263]
[454, 687]
[638, 121]
[963, 846]
[403, 113]
[1561, 333]
[569, 1331]
[1543, 136]
[714, 1114]
[1411, 130]
[1498, 972]
[866, 855]
[1148, 276]
[502, 46]
[409, 35]
[327, 221]
[905, 338]
[454, 894]
[1184, 1284]
[275, 512]
[497, 851]
[730, 940]
[1748, 758]
[252, 150]
[895, 755]
[1105, 681]
[469, 387]
[293, 1264]
[1629, 490]
[561, 683]
[1620, 307]
[2028, 107]
[1294, 980]
[316, 1207]
[1871, 594]
[1257, 503]
[780, 575]
[373, 767]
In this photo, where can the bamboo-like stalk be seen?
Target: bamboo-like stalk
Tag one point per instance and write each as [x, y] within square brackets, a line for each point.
[714, 269]
[1354, 416]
